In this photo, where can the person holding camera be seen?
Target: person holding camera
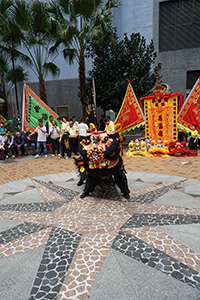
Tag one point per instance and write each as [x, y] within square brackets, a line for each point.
[54, 134]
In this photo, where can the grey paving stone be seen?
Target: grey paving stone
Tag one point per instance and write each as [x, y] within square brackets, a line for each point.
[41, 178]
[112, 282]
[134, 174]
[176, 198]
[189, 235]
[14, 186]
[26, 181]
[53, 177]
[193, 189]
[167, 178]
[18, 274]
[189, 183]
[65, 176]
[7, 224]
[133, 185]
[30, 196]
[150, 284]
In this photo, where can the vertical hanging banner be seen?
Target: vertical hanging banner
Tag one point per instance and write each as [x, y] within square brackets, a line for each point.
[91, 115]
[161, 110]
[33, 109]
[190, 113]
[130, 115]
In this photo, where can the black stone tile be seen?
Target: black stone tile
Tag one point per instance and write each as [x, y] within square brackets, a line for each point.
[20, 231]
[64, 192]
[109, 192]
[54, 264]
[44, 206]
[149, 197]
[139, 220]
[129, 245]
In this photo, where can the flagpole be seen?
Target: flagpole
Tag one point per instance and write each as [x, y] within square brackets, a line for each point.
[94, 93]
[23, 103]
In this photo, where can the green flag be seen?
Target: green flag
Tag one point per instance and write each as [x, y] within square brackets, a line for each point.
[34, 109]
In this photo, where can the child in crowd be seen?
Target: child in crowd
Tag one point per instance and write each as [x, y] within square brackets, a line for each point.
[193, 138]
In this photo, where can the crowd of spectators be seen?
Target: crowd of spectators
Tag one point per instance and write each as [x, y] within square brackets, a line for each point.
[63, 142]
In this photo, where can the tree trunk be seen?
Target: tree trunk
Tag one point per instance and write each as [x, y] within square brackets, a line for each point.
[82, 84]
[42, 89]
[5, 104]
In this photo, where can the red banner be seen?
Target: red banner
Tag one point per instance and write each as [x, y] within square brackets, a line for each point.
[190, 112]
[130, 114]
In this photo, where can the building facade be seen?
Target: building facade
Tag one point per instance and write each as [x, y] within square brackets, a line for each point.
[174, 26]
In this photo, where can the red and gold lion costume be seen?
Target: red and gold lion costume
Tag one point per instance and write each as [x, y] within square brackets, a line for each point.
[101, 159]
[177, 149]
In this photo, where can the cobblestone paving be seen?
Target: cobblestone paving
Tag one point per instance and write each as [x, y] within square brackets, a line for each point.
[154, 258]
[56, 260]
[79, 233]
[19, 231]
[139, 220]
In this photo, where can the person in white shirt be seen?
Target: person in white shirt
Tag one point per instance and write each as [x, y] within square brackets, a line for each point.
[64, 139]
[83, 129]
[54, 134]
[73, 133]
[74, 121]
[41, 138]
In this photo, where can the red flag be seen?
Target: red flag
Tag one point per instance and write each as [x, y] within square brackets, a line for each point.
[190, 112]
[130, 114]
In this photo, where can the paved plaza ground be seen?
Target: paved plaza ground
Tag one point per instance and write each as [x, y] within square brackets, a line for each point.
[55, 245]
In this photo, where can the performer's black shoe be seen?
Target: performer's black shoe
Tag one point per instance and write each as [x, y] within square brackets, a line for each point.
[127, 196]
[80, 182]
[84, 195]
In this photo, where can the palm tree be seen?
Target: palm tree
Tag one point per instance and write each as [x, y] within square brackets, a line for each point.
[77, 24]
[35, 24]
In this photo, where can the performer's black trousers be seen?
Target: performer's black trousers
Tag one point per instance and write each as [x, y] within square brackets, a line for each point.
[192, 144]
[55, 146]
[65, 148]
[73, 145]
[120, 179]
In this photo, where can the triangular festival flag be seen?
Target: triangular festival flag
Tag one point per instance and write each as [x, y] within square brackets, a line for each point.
[2, 119]
[33, 109]
[190, 113]
[130, 115]
[91, 115]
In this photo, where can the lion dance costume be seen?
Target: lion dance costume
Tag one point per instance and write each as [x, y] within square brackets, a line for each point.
[101, 160]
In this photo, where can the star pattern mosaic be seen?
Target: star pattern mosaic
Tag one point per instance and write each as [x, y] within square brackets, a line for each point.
[79, 233]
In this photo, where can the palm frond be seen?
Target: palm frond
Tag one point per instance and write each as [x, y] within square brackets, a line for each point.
[50, 68]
